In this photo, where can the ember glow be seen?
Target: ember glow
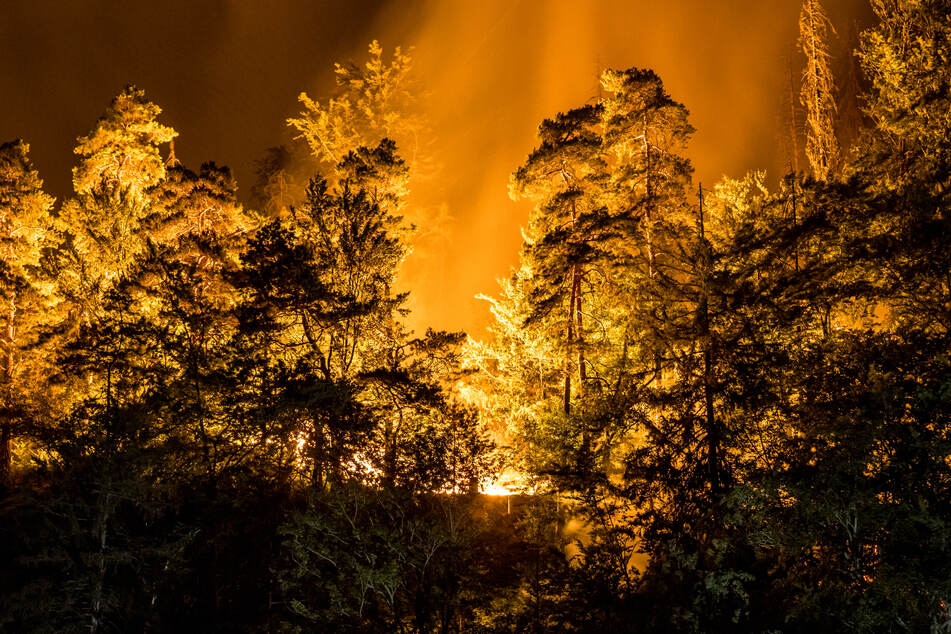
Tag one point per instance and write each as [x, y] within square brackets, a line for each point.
[507, 316]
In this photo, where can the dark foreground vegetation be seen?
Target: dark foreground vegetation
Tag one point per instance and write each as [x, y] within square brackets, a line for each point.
[728, 409]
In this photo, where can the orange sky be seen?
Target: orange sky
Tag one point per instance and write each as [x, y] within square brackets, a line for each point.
[227, 74]
[496, 68]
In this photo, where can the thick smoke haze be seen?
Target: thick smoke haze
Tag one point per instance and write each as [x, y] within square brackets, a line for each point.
[227, 75]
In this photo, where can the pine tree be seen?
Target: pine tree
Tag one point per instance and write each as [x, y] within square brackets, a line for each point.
[373, 103]
[26, 227]
[906, 160]
[102, 227]
[818, 93]
[644, 132]
[120, 156]
[904, 58]
[187, 203]
[318, 288]
[564, 237]
[378, 106]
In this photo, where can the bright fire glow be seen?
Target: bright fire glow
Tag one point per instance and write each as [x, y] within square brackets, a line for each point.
[506, 484]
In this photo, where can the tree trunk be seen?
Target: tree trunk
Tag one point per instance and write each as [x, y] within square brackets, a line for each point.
[711, 425]
[649, 194]
[713, 430]
[582, 375]
[6, 431]
[571, 339]
[102, 524]
[6, 451]
[579, 335]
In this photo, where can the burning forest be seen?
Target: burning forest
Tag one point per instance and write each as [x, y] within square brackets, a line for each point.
[709, 390]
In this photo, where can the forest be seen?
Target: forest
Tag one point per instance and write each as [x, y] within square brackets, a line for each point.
[699, 407]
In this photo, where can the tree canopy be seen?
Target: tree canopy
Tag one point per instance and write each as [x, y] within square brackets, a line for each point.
[711, 408]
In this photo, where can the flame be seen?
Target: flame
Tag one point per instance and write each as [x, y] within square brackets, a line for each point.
[497, 489]
[508, 483]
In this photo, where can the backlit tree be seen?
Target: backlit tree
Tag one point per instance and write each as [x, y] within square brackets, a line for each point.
[818, 94]
[26, 227]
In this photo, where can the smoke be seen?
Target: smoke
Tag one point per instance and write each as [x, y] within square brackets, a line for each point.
[496, 68]
[227, 74]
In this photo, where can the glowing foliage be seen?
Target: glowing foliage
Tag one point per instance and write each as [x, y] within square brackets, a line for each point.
[26, 227]
[727, 410]
[560, 249]
[644, 133]
[907, 58]
[374, 102]
[25, 223]
[120, 156]
[186, 203]
[103, 227]
[818, 95]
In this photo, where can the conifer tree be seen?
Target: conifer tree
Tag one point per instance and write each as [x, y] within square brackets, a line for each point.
[374, 102]
[186, 203]
[644, 132]
[337, 325]
[119, 156]
[906, 160]
[102, 227]
[26, 227]
[818, 93]
[904, 58]
[377, 103]
[564, 235]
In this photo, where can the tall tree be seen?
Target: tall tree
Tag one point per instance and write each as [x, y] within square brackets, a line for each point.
[903, 57]
[818, 93]
[564, 235]
[120, 154]
[644, 132]
[374, 102]
[906, 159]
[190, 204]
[102, 227]
[338, 322]
[26, 227]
